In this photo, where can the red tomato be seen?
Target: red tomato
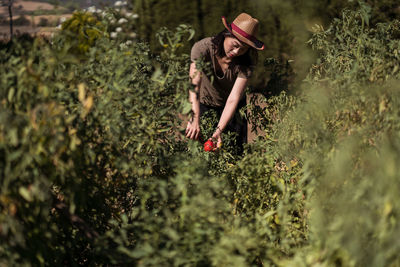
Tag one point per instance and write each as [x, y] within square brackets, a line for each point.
[209, 146]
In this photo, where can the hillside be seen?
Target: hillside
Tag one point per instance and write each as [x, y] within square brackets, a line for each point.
[97, 3]
[80, 3]
[31, 17]
[26, 7]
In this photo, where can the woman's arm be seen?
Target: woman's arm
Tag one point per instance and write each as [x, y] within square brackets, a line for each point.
[193, 126]
[230, 107]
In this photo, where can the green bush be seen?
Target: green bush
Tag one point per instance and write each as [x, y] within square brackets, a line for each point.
[82, 30]
[94, 169]
[21, 21]
[343, 129]
[81, 135]
[43, 22]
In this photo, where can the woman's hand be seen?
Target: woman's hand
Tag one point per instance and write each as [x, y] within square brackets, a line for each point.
[193, 129]
[193, 126]
[217, 136]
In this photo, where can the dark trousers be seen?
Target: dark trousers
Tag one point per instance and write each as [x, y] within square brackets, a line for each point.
[237, 124]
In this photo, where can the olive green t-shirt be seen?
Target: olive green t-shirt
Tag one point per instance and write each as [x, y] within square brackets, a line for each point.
[214, 90]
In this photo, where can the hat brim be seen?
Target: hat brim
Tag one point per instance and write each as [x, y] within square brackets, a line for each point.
[255, 43]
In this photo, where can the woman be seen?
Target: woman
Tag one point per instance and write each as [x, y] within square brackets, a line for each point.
[232, 55]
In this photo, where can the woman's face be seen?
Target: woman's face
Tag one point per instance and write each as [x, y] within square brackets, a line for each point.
[234, 48]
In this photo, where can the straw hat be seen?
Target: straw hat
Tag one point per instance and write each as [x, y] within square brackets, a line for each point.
[245, 28]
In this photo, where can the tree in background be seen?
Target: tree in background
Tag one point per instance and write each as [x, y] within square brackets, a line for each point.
[204, 16]
[285, 26]
[382, 10]
[10, 3]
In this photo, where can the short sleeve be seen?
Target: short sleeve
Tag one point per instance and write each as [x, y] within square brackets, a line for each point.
[200, 49]
[245, 71]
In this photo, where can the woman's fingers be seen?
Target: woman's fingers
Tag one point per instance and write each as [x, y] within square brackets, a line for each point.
[192, 133]
[218, 143]
[195, 135]
[189, 130]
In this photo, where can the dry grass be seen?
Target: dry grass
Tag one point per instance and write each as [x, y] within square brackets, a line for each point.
[19, 7]
[52, 19]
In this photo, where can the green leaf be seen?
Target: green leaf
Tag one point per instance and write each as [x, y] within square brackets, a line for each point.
[25, 194]
[11, 94]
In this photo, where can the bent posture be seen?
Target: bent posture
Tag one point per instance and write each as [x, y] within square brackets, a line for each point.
[231, 55]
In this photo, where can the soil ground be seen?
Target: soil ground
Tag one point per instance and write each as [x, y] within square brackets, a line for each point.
[22, 8]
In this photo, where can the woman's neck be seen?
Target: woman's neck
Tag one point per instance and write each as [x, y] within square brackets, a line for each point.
[225, 59]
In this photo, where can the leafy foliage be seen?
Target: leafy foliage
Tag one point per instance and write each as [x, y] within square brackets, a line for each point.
[342, 128]
[83, 29]
[94, 170]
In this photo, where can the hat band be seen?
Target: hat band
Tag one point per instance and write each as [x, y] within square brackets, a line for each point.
[243, 33]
